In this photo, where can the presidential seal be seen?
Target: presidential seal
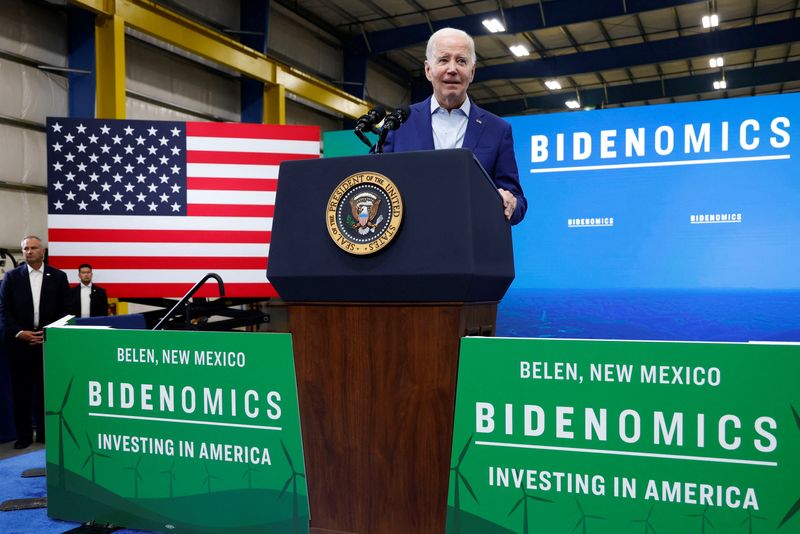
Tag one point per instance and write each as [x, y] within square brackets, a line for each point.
[364, 213]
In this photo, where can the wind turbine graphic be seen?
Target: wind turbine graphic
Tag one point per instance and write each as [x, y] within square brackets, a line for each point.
[170, 476]
[62, 424]
[293, 481]
[584, 516]
[92, 454]
[749, 520]
[796, 507]
[647, 526]
[705, 520]
[524, 502]
[248, 473]
[136, 477]
[209, 478]
[459, 476]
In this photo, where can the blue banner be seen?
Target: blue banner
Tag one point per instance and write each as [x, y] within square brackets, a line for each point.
[668, 211]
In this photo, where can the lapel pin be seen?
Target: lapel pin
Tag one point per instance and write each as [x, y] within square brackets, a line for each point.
[478, 121]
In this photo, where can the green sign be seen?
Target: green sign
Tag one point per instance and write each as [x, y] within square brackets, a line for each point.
[174, 431]
[340, 143]
[567, 436]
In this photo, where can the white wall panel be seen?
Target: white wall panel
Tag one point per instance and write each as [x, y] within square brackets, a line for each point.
[23, 214]
[382, 89]
[34, 158]
[223, 12]
[12, 170]
[33, 31]
[30, 94]
[142, 110]
[23, 154]
[43, 95]
[165, 77]
[291, 37]
[11, 88]
[297, 113]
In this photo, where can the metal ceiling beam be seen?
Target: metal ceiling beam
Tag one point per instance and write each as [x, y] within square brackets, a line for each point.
[170, 27]
[670, 88]
[518, 19]
[620, 57]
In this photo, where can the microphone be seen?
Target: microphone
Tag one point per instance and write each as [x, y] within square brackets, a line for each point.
[396, 118]
[367, 123]
[393, 121]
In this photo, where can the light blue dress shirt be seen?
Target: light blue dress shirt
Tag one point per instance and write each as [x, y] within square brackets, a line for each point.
[450, 128]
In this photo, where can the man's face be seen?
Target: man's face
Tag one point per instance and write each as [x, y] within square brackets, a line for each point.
[450, 71]
[33, 251]
[85, 274]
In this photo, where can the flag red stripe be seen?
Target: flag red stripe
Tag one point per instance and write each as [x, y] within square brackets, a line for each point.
[243, 158]
[233, 184]
[158, 236]
[161, 262]
[227, 210]
[178, 290]
[253, 131]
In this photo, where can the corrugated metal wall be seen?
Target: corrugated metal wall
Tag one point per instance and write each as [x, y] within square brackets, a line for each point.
[30, 34]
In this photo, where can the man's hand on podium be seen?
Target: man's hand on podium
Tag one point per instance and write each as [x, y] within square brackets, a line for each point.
[509, 202]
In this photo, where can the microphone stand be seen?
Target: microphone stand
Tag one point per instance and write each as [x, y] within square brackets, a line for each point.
[393, 121]
[381, 140]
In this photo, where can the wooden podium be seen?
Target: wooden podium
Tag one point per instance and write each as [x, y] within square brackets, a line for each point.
[376, 338]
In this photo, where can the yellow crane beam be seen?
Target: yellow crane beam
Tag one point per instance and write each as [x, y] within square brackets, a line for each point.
[171, 27]
[110, 71]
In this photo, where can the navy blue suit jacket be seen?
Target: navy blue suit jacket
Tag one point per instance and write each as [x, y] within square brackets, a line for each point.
[488, 136]
[16, 300]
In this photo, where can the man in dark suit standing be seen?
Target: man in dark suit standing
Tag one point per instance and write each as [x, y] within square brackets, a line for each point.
[449, 119]
[31, 296]
[87, 299]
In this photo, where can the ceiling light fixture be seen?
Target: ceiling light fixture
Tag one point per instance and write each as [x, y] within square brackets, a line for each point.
[720, 84]
[715, 62]
[710, 21]
[553, 85]
[572, 104]
[519, 50]
[494, 25]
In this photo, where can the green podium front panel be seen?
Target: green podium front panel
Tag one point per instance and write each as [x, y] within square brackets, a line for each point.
[563, 436]
[174, 431]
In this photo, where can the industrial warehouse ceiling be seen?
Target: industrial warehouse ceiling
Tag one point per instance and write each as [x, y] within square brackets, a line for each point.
[604, 53]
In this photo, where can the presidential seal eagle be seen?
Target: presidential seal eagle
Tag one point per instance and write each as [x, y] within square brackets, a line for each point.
[364, 208]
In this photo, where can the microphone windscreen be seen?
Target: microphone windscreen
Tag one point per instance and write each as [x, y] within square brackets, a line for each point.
[379, 113]
[403, 113]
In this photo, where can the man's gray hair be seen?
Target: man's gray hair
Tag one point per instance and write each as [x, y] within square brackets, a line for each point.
[37, 238]
[450, 32]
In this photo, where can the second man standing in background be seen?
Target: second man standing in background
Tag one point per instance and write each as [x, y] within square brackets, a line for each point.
[87, 299]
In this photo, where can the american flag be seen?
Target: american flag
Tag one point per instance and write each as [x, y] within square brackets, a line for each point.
[154, 205]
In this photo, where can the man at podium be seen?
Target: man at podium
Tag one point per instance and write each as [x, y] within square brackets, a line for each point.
[448, 119]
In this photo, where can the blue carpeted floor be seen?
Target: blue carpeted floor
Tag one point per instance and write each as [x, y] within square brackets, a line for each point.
[13, 486]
